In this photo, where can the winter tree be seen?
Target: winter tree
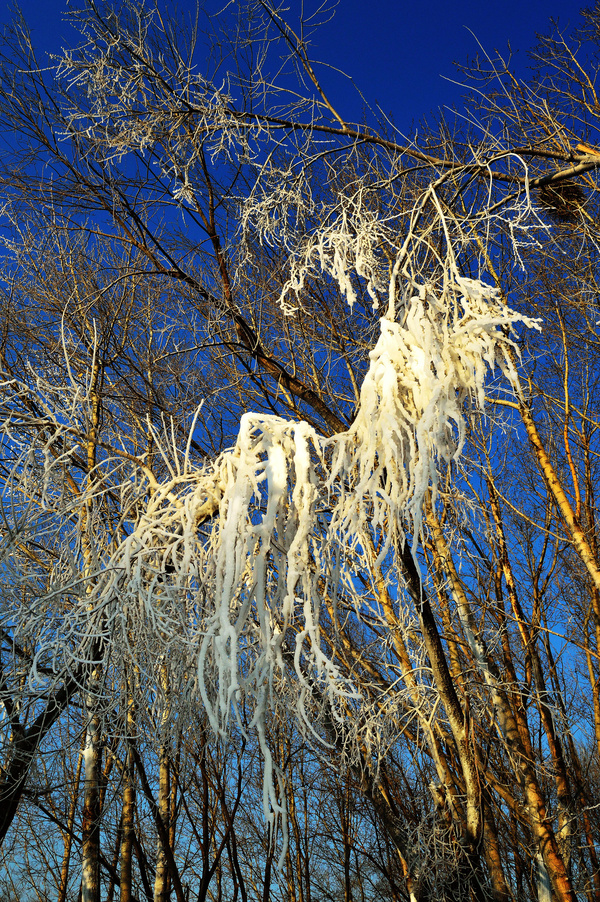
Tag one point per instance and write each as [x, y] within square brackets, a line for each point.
[263, 368]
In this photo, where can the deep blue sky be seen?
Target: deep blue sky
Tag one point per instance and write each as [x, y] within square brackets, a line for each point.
[397, 52]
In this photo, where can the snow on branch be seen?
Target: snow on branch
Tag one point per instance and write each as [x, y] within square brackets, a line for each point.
[223, 575]
[291, 510]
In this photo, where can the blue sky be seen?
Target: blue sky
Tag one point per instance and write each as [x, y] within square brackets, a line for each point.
[401, 54]
[397, 52]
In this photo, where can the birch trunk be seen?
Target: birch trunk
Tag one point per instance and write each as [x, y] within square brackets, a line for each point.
[64, 870]
[161, 881]
[92, 756]
[127, 826]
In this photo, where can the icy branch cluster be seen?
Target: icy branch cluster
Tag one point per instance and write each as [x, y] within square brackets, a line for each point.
[343, 240]
[223, 576]
[230, 581]
[117, 103]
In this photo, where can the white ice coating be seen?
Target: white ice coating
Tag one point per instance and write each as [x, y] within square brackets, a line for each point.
[264, 541]
[292, 508]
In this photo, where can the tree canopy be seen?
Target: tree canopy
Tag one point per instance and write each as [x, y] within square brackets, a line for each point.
[298, 472]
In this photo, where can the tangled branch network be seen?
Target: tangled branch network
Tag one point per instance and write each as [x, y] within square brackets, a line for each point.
[221, 576]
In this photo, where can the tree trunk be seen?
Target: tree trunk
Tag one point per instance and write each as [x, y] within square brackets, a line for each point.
[127, 837]
[64, 870]
[25, 744]
[161, 881]
[90, 883]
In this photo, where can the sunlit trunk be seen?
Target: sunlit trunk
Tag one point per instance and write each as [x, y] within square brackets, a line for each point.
[92, 756]
[161, 882]
[127, 827]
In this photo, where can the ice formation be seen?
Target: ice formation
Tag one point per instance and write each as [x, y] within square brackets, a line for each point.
[256, 541]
